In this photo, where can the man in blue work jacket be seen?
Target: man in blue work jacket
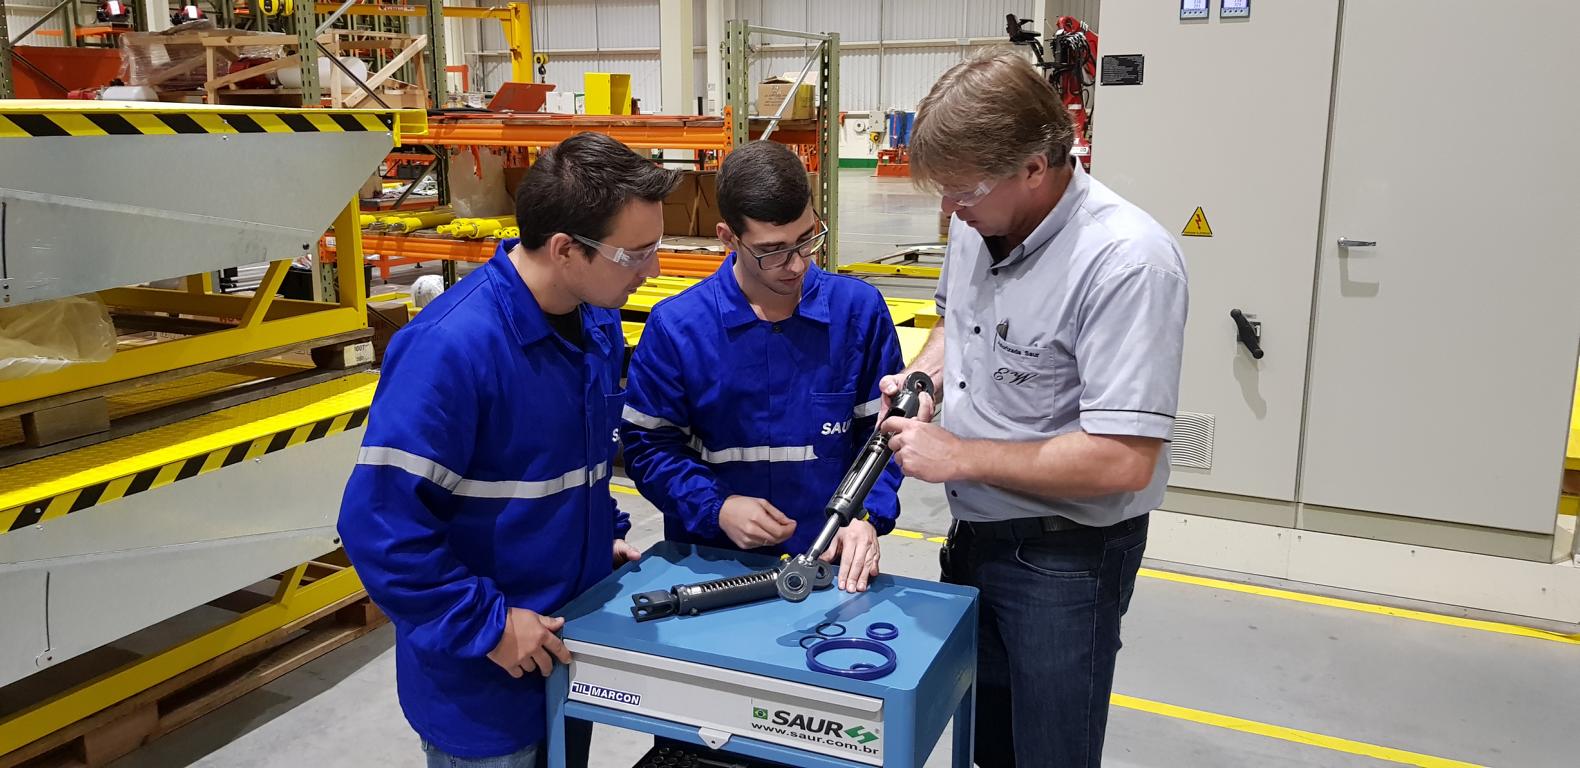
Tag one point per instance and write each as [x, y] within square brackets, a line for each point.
[752, 392]
[480, 501]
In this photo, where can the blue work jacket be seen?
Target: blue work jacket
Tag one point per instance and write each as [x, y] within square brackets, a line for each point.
[482, 484]
[721, 403]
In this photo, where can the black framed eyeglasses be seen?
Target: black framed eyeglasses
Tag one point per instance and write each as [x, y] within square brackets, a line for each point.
[810, 248]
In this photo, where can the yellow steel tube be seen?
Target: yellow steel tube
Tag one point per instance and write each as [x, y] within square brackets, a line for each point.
[411, 222]
[478, 228]
[264, 296]
[207, 305]
[290, 584]
[893, 270]
[487, 227]
[518, 38]
[349, 257]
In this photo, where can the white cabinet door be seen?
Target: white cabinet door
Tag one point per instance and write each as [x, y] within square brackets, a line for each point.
[1231, 116]
[1444, 356]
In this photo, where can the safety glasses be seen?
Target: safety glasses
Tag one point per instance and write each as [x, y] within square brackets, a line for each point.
[621, 256]
[775, 259]
[968, 199]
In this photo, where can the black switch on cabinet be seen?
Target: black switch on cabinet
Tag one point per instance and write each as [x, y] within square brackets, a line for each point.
[1250, 333]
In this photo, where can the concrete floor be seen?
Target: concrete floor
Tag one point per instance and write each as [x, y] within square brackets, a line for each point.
[1314, 685]
[878, 216]
[1384, 683]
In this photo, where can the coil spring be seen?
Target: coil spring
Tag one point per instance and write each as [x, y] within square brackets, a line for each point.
[738, 581]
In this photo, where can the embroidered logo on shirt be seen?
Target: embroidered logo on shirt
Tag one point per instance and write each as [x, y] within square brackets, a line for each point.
[1016, 378]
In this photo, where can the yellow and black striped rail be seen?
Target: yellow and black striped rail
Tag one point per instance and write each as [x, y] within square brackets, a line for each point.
[37, 118]
[20, 124]
[102, 492]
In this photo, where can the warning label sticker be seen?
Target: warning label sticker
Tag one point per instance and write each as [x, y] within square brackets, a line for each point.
[1197, 226]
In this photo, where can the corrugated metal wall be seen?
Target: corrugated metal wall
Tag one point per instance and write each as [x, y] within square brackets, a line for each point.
[1085, 10]
[881, 67]
[854, 20]
[21, 15]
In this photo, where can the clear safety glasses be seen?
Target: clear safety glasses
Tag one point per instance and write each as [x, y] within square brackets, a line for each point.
[621, 256]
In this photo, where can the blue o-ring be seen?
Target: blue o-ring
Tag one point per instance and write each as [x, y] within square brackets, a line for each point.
[857, 671]
[882, 631]
[814, 638]
[830, 625]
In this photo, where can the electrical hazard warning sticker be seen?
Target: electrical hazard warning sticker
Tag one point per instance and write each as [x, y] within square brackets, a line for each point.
[1197, 226]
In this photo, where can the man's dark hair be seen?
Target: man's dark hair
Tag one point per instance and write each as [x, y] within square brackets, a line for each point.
[763, 181]
[579, 187]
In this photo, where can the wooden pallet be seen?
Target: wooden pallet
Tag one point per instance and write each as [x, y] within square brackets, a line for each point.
[146, 716]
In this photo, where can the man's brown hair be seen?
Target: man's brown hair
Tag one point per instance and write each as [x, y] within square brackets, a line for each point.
[985, 117]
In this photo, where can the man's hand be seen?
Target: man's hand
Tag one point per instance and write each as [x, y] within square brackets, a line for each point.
[925, 451]
[529, 643]
[858, 542]
[624, 553]
[890, 386]
[751, 522]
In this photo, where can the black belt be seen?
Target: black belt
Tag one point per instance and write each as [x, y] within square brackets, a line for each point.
[1022, 527]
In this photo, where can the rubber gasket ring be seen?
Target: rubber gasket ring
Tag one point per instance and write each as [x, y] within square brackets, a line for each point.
[818, 630]
[815, 640]
[882, 631]
[860, 671]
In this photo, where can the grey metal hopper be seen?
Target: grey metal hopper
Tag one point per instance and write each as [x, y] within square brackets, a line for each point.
[95, 195]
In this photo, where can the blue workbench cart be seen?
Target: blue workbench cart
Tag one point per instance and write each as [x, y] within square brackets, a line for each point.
[737, 679]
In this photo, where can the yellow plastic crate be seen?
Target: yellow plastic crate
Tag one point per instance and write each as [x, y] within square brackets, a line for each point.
[608, 93]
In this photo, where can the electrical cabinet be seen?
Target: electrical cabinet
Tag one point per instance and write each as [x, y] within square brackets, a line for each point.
[1231, 119]
[1390, 188]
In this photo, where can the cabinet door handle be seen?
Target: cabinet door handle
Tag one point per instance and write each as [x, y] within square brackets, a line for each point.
[1345, 242]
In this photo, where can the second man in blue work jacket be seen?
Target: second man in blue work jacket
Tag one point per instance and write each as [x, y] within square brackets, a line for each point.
[751, 393]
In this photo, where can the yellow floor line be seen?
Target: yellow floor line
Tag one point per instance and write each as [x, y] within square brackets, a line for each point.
[1286, 734]
[904, 534]
[1355, 605]
[1298, 597]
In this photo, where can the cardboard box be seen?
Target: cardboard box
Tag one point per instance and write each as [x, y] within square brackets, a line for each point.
[398, 98]
[772, 92]
[385, 318]
[706, 219]
[565, 103]
[513, 177]
[679, 207]
[692, 210]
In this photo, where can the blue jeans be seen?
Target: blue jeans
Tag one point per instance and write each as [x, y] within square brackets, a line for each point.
[578, 739]
[1048, 638]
